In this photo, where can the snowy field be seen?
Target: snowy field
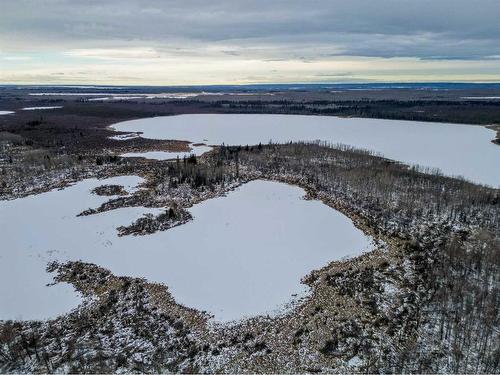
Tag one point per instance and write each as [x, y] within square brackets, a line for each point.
[41, 108]
[242, 255]
[164, 155]
[458, 150]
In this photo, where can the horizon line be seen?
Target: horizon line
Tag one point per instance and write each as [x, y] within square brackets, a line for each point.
[262, 84]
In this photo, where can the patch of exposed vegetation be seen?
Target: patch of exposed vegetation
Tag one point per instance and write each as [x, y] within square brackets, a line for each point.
[150, 223]
[109, 190]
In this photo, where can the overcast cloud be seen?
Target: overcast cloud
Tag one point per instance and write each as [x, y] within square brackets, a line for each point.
[247, 41]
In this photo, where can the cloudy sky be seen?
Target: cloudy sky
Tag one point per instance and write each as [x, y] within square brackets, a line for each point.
[259, 41]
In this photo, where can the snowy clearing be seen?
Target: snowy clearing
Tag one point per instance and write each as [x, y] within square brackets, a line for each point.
[457, 150]
[242, 255]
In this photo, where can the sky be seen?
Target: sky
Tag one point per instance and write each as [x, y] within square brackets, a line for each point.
[189, 42]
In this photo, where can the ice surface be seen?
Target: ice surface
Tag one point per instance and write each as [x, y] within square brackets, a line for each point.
[164, 155]
[37, 108]
[481, 97]
[464, 150]
[242, 255]
[119, 96]
[168, 95]
[41, 228]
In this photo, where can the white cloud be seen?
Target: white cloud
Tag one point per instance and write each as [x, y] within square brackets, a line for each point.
[115, 53]
[179, 71]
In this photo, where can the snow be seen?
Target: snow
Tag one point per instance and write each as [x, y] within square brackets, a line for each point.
[481, 97]
[123, 137]
[105, 96]
[354, 361]
[148, 96]
[6, 113]
[37, 108]
[242, 255]
[457, 150]
[115, 98]
[165, 155]
[120, 96]
[36, 230]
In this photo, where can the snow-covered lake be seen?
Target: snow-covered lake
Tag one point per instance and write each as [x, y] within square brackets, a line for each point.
[242, 255]
[458, 150]
[42, 108]
[481, 97]
[105, 96]
[166, 155]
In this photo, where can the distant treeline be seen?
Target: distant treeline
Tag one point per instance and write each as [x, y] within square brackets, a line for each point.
[467, 112]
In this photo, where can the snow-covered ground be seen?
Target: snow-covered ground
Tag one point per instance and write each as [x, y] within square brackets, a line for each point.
[41, 108]
[6, 113]
[165, 155]
[242, 255]
[458, 150]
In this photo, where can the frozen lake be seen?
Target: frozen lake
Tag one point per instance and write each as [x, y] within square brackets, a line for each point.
[242, 255]
[458, 150]
[165, 155]
[42, 108]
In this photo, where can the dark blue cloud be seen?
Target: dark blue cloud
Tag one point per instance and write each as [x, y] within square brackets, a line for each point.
[437, 29]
